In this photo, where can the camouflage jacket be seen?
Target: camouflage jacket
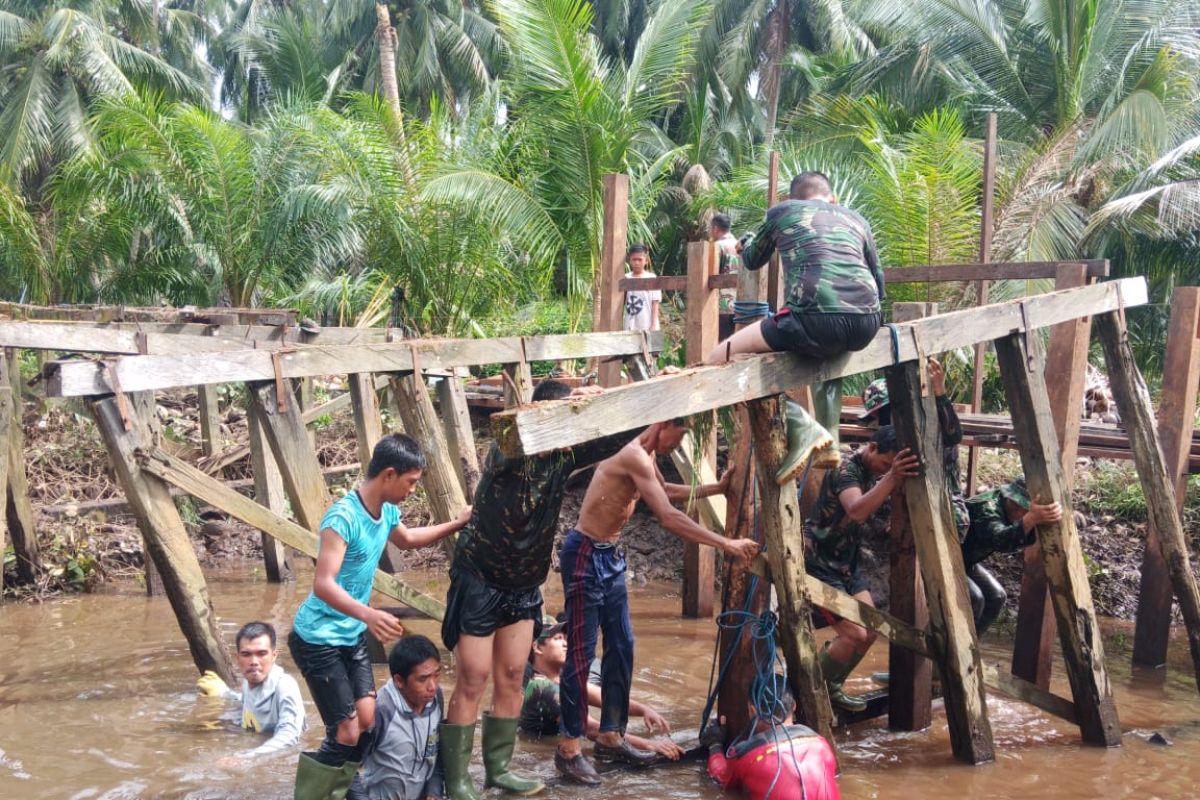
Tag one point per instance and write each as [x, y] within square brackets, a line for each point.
[509, 539]
[828, 256]
[990, 530]
[831, 540]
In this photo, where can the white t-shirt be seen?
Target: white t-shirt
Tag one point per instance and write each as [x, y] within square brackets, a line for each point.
[639, 310]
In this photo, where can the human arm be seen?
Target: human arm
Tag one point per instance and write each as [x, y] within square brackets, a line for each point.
[655, 305]
[655, 722]
[859, 506]
[948, 422]
[664, 746]
[210, 684]
[682, 493]
[411, 538]
[871, 257]
[330, 554]
[1040, 513]
[435, 784]
[720, 768]
[290, 722]
[757, 252]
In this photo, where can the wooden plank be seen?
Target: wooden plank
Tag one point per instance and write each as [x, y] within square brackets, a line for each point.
[210, 419]
[295, 457]
[22, 531]
[914, 414]
[368, 424]
[216, 494]
[102, 313]
[567, 422]
[1066, 367]
[1176, 412]
[143, 373]
[1157, 478]
[783, 538]
[1082, 644]
[164, 534]
[1005, 683]
[460, 438]
[518, 384]
[269, 493]
[6, 426]
[775, 277]
[442, 489]
[612, 266]
[981, 286]
[305, 394]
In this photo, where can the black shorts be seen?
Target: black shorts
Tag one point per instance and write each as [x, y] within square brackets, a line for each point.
[337, 677]
[478, 608]
[819, 335]
[851, 584]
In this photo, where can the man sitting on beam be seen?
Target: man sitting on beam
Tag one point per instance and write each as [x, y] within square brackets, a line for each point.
[834, 288]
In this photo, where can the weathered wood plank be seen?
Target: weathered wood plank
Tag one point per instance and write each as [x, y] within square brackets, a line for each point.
[612, 266]
[518, 385]
[1082, 645]
[268, 492]
[914, 414]
[143, 373]
[368, 424]
[163, 532]
[1157, 479]
[22, 530]
[566, 422]
[1176, 412]
[775, 276]
[783, 537]
[460, 438]
[1018, 689]
[210, 419]
[294, 455]
[216, 494]
[6, 426]
[144, 314]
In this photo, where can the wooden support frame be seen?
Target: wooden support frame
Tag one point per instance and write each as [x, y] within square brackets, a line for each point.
[460, 438]
[612, 266]
[775, 277]
[1158, 481]
[163, 532]
[518, 384]
[914, 414]
[563, 423]
[297, 460]
[210, 419]
[981, 286]
[1177, 410]
[6, 426]
[1082, 645]
[22, 530]
[368, 423]
[203, 487]
[268, 492]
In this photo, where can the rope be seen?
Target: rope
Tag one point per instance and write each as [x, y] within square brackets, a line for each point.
[749, 310]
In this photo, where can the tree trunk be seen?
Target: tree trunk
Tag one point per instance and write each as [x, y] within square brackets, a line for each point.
[775, 47]
[385, 37]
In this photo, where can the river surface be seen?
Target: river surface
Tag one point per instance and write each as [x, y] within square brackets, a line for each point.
[97, 700]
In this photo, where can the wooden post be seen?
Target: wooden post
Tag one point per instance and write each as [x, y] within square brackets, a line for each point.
[304, 393]
[6, 425]
[368, 424]
[612, 266]
[456, 417]
[1157, 477]
[783, 537]
[774, 292]
[985, 255]
[269, 492]
[440, 482]
[21, 529]
[1066, 367]
[914, 413]
[699, 563]
[910, 689]
[297, 460]
[1082, 645]
[163, 531]
[210, 419]
[1176, 411]
[518, 385]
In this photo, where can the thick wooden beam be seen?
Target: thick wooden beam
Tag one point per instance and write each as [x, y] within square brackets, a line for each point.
[143, 373]
[1157, 478]
[783, 538]
[6, 426]
[210, 419]
[1001, 681]
[218, 495]
[163, 531]
[914, 413]
[368, 424]
[440, 482]
[150, 314]
[518, 384]
[567, 422]
[981, 286]
[268, 492]
[1066, 369]
[612, 266]
[294, 455]
[1176, 413]
[22, 531]
[1082, 645]
[460, 438]
[775, 275]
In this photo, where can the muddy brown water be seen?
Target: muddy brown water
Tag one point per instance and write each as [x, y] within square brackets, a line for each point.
[97, 701]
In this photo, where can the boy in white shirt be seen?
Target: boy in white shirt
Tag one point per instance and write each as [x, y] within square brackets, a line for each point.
[641, 305]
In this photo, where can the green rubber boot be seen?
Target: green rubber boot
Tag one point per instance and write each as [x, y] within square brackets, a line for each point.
[499, 738]
[827, 408]
[317, 781]
[456, 744]
[804, 436]
[835, 674]
[882, 678]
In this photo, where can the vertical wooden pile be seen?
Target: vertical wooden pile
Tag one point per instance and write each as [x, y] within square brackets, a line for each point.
[612, 268]
[18, 510]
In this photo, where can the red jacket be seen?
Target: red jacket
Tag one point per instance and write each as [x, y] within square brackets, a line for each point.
[754, 765]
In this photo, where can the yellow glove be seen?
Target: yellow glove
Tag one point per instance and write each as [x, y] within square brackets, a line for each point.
[211, 685]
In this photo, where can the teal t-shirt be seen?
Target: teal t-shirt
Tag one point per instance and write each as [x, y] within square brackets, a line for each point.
[316, 621]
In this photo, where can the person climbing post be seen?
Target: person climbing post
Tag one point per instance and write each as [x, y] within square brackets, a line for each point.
[327, 638]
[593, 573]
[834, 287]
[833, 534]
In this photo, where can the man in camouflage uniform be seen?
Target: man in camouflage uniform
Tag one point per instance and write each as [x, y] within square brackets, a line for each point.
[833, 533]
[834, 288]
[494, 604]
[1003, 520]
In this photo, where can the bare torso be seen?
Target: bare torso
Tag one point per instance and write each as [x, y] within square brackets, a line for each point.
[611, 495]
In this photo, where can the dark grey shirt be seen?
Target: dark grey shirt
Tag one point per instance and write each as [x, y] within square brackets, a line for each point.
[403, 763]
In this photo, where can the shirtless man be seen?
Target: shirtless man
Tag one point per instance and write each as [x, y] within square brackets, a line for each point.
[593, 573]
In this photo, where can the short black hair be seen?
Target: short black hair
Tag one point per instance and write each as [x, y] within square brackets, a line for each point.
[638, 248]
[409, 652]
[253, 630]
[398, 451]
[680, 422]
[773, 698]
[885, 440]
[551, 389]
[810, 184]
[723, 222]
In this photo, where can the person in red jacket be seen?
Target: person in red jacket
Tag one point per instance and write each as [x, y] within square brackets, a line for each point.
[779, 761]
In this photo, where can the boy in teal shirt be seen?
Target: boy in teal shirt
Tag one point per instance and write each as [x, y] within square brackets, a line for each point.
[327, 638]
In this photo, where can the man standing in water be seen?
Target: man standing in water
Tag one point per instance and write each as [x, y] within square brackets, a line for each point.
[327, 638]
[593, 574]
